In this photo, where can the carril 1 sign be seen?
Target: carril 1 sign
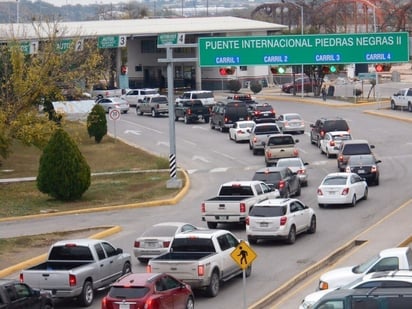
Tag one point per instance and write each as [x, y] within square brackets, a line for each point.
[385, 47]
[112, 41]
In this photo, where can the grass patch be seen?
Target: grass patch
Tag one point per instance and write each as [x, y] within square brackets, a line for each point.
[128, 183]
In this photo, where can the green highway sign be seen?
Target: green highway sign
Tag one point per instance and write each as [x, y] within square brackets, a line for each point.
[113, 41]
[171, 38]
[29, 48]
[382, 47]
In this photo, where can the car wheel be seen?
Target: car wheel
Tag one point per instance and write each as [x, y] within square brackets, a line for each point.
[365, 194]
[328, 154]
[127, 268]
[186, 119]
[393, 106]
[154, 113]
[312, 226]
[206, 119]
[377, 181]
[87, 296]
[190, 303]
[321, 150]
[250, 146]
[301, 132]
[213, 289]
[176, 118]
[409, 107]
[252, 240]
[230, 137]
[255, 152]
[236, 139]
[48, 306]
[139, 111]
[292, 235]
[312, 141]
[143, 260]
[353, 203]
[212, 225]
[287, 193]
[318, 142]
[298, 191]
[212, 126]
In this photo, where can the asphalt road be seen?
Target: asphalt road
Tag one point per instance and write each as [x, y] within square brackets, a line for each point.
[211, 159]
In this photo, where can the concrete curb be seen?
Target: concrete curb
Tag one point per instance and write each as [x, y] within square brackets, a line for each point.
[171, 201]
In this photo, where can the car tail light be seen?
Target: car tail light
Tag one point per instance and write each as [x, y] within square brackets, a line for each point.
[151, 303]
[189, 111]
[148, 268]
[203, 208]
[348, 169]
[247, 221]
[166, 244]
[201, 270]
[104, 303]
[374, 169]
[283, 220]
[319, 192]
[282, 184]
[157, 105]
[226, 120]
[21, 277]
[301, 172]
[137, 244]
[268, 154]
[322, 133]
[72, 280]
[295, 152]
[239, 132]
[242, 207]
[256, 113]
[332, 143]
[254, 139]
[345, 191]
[340, 158]
[117, 105]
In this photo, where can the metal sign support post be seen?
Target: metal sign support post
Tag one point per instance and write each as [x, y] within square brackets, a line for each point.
[244, 289]
[173, 182]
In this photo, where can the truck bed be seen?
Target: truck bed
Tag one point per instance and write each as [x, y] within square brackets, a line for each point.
[64, 265]
[229, 198]
[183, 256]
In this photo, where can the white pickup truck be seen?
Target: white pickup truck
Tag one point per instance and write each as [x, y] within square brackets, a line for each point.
[76, 268]
[234, 200]
[389, 259]
[402, 99]
[201, 258]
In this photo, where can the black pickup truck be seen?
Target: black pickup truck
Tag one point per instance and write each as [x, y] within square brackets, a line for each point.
[16, 295]
[192, 111]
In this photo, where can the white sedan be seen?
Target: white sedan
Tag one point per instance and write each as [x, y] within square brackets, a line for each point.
[342, 188]
[241, 130]
[157, 238]
[329, 145]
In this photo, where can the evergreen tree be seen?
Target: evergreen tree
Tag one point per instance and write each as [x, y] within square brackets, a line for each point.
[97, 123]
[63, 171]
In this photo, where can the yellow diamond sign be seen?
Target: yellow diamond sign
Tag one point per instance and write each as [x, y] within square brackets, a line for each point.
[243, 255]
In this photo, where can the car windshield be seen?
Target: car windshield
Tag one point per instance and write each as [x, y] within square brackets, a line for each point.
[343, 137]
[362, 160]
[268, 177]
[203, 95]
[289, 163]
[159, 100]
[266, 129]
[160, 231]
[148, 92]
[280, 140]
[246, 125]
[268, 211]
[335, 181]
[354, 149]
[361, 268]
[263, 108]
[128, 292]
[292, 117]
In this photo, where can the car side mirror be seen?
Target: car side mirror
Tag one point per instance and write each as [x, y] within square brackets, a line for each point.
[378, 161]
[305, 163]
[372, 146]
[119, 250]
[264, 144]
[296, 140]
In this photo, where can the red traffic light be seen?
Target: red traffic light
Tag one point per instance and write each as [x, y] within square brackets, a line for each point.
[123, 70]
[277, 70]
[379, 68]
[325, 70]
[226, 71]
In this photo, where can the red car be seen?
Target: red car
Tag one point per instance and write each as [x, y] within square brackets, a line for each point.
[149, 291]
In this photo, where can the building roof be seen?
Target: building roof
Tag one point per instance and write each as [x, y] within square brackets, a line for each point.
[139, 27]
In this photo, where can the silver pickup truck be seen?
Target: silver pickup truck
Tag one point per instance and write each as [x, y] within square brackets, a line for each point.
[233, 201]
[201, 258]
[76, 268]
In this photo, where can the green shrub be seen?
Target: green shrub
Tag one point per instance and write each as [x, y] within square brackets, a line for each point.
[97, 123]
[255, 87]
[234, 85]
[63, 172]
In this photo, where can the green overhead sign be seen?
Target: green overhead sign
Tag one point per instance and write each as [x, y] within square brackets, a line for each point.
[170, 38]
[382, 47]
[113, 41]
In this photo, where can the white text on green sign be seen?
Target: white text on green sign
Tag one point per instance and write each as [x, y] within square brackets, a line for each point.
[305, 49]
[111, 41]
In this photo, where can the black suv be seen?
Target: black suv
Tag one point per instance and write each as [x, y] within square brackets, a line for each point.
[324, 125]
[262, 113]
[225, 113]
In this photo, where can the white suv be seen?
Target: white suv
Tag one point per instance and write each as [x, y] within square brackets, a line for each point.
[134, 95]
[282, 218]
[205, 96]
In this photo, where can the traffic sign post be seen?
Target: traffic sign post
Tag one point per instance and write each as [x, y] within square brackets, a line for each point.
[381, 47]
[114, 114]
[243, 255]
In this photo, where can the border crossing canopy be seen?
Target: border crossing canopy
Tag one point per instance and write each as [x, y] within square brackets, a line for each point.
[382, 47]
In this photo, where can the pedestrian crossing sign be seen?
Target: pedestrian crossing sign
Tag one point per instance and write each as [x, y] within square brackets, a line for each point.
[243, 255]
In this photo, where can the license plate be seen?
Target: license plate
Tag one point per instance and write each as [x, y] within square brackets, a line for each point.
[124, 306]
[151, 245]
[224, 217]
[332, 192]
[241, 118]
[266, 114]
[264, 224]
[361, 171]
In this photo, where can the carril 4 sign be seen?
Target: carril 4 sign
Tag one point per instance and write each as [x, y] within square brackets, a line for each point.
[304, 49]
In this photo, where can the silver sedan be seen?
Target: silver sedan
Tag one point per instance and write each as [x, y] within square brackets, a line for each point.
[291, 122]
[114, 103]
